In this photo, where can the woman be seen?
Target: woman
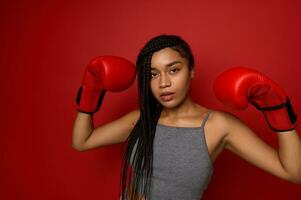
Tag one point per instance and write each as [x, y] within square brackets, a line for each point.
[173, 141]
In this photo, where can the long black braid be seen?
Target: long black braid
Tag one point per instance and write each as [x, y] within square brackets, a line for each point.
[139, 149]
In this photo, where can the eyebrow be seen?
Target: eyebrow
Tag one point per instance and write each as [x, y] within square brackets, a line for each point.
[169, 64]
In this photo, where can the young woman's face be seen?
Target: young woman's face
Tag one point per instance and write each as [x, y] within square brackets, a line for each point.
[170, 74]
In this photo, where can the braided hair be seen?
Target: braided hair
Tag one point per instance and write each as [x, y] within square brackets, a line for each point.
[139, 150]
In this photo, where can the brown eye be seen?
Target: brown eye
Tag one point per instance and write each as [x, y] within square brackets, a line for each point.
[153, 75]
[174, 70]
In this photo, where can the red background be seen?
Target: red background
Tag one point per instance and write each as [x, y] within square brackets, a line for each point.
[46, 45]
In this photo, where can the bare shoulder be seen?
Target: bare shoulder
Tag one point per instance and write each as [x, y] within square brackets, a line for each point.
[224, 122]
[216, 132]
[233, 127]
[219, 119]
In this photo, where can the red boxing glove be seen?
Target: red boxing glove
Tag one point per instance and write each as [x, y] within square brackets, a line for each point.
[104, 73]
[238, 86]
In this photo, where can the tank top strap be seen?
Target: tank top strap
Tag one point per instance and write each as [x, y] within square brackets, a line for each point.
[206, 118]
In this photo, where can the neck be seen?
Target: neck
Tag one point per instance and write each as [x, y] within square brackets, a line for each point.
[186, 108]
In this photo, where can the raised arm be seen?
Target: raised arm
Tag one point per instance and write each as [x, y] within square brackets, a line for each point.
[239, 86]
[104, 73]
[283, 162]
[86, 137]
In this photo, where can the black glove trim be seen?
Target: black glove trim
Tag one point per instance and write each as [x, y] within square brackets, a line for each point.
[101, 97]
[78, 97]
[289, 109]
[79, 94]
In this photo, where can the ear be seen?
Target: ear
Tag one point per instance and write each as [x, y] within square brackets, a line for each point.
[192, 73]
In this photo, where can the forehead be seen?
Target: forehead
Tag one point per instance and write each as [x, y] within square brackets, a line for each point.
[166, 57]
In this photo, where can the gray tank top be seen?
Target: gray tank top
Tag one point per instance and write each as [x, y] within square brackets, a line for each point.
[182, 167]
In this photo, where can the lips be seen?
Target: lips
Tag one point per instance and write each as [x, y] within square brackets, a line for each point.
[166, 93]
[167, 96]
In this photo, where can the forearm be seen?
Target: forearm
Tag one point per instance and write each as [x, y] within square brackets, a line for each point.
[290, 153]
[82, 129]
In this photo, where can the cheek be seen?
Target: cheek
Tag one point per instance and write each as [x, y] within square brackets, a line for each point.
[182, 82]
[151, 85]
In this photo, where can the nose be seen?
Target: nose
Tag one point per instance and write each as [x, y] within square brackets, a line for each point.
[164, 81]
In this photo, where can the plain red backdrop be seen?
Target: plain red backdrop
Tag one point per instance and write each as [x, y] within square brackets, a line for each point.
[46, 45]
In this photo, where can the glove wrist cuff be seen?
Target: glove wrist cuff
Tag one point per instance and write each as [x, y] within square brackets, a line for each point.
[281, 117]
[89, 100]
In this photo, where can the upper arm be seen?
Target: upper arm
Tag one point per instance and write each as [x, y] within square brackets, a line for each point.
[242, 141]
[114, 132]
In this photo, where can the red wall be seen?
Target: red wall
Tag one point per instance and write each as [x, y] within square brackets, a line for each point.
[45, 46]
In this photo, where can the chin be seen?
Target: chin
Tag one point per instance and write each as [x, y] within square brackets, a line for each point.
[170, 104]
